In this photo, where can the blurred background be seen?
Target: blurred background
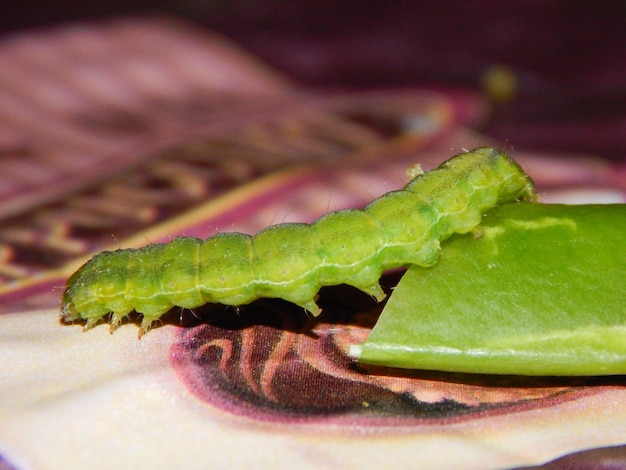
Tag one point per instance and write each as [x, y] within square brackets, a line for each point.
[555, 69]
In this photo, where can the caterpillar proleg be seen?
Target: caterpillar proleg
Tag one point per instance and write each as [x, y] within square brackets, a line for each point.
[293, 260]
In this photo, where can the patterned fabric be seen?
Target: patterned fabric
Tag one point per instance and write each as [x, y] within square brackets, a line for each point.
[125, 133]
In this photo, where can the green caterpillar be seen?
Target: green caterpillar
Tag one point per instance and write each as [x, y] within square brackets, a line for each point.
[292, 261]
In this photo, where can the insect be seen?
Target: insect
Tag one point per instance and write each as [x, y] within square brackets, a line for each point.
[293, 260]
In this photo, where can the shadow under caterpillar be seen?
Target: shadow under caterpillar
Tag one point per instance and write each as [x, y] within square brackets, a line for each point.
[293, 260]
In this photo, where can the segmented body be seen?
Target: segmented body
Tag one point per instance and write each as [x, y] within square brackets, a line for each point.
[292, 261]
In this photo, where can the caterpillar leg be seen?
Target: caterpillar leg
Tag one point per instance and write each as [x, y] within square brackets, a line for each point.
[91, 322]
[310, 306]
[374, 290]
[116, 320]
[151, 312]
[146, 323]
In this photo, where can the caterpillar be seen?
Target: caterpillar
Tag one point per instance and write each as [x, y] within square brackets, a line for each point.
[293, 260]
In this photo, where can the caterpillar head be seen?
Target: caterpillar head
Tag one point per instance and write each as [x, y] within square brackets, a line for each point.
[85, 291]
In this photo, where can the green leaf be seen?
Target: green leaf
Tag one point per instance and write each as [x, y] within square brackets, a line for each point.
[540, 292]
